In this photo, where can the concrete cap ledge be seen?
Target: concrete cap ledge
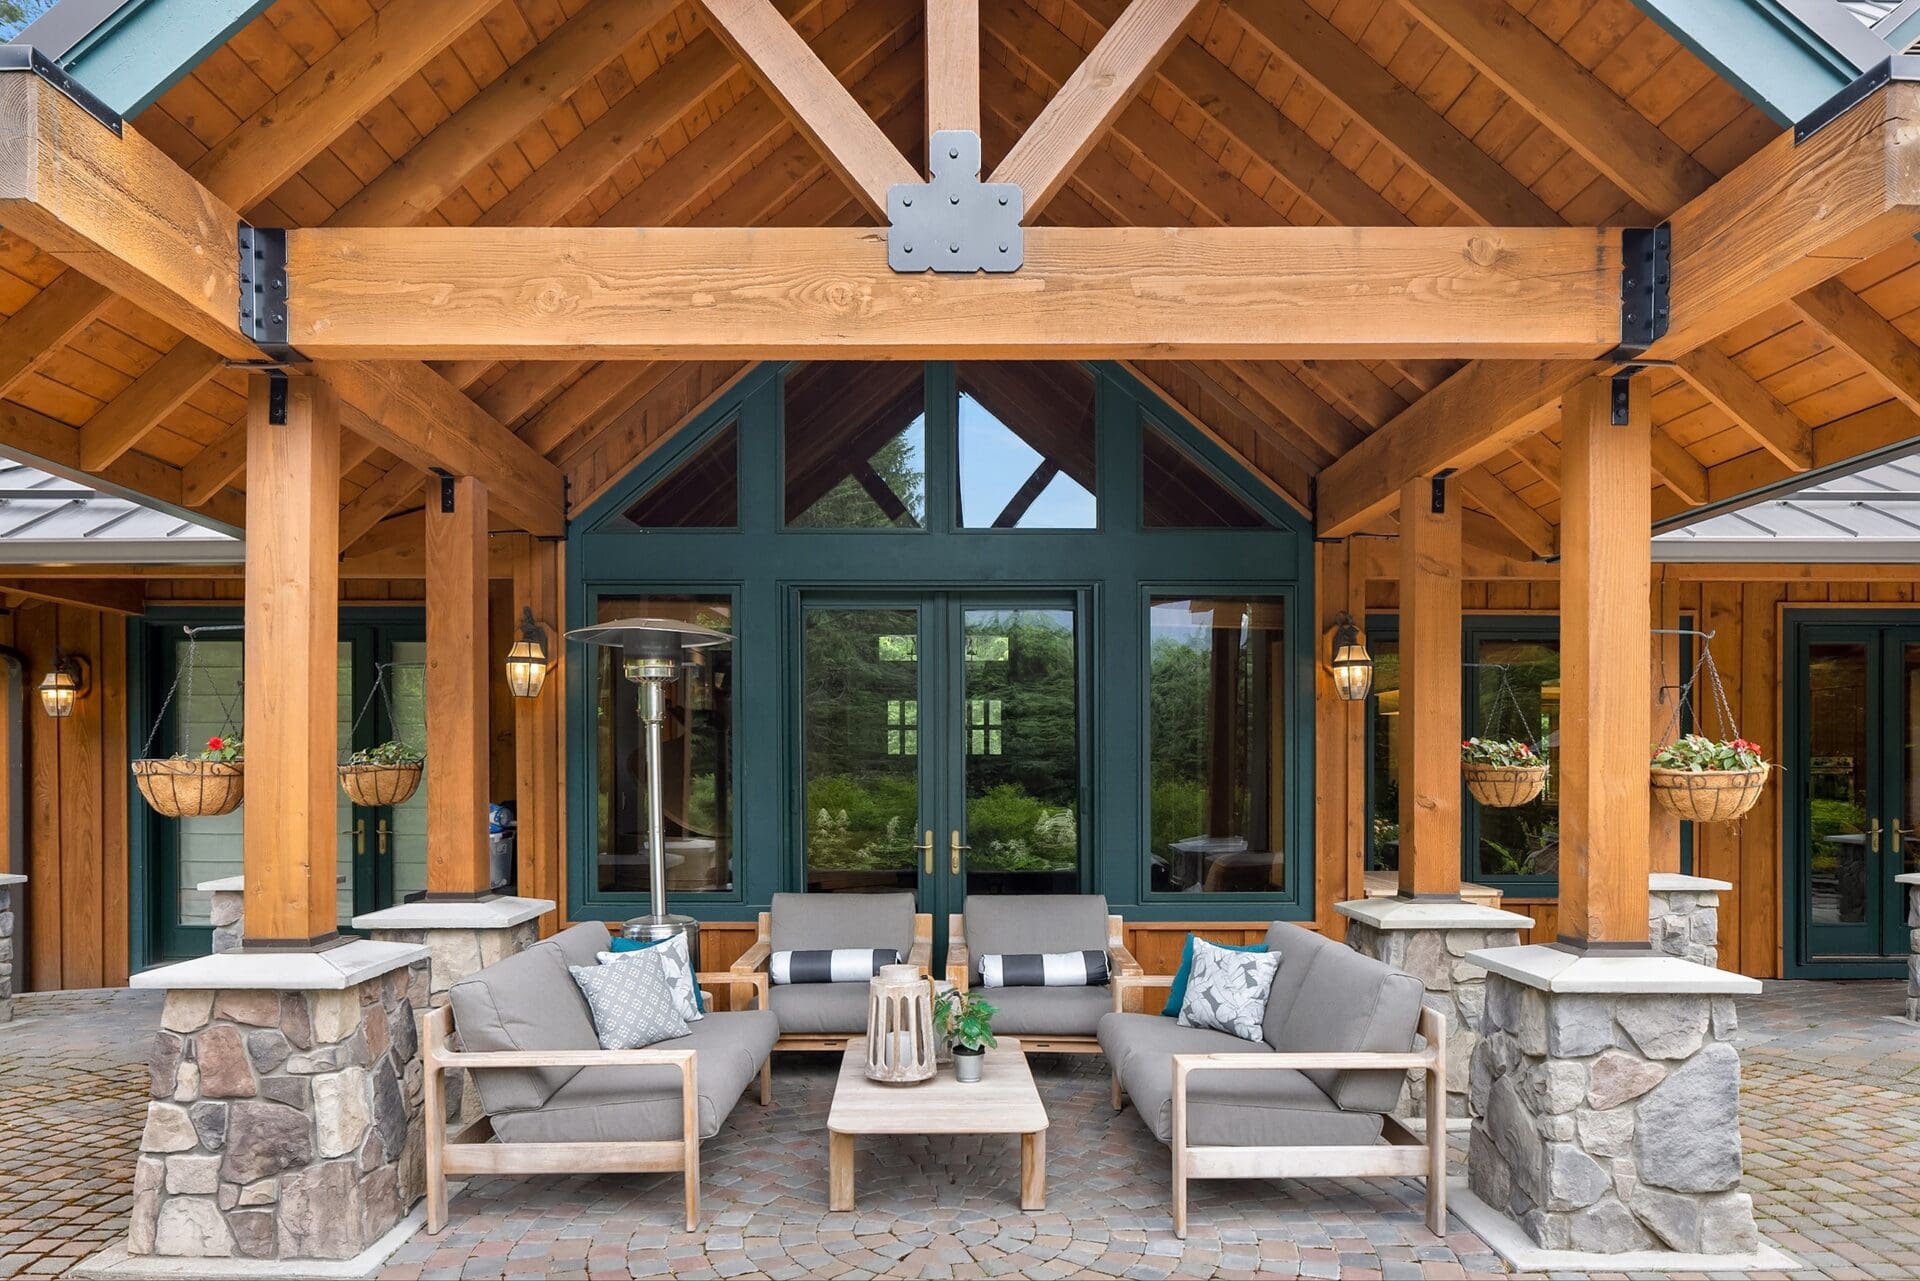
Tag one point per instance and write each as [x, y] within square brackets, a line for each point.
[1905, 878]
[1430, 914]
[12, 878]
[1551, 970]
[499, 913]
[333, 970]
[1676, 883]
[225, 885]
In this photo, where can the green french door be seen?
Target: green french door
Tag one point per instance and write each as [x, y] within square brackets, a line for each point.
[1853, 787]
[942, 744]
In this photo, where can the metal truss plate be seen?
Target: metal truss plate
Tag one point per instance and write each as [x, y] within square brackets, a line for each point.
[955, 223]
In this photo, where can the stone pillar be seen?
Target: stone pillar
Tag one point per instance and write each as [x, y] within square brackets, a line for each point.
[12, 912]
[1683, 916]
[284, 1118]
[1609, 1117]
[461, 938]
[1912, 881]
[1430, 939]
[227, 911]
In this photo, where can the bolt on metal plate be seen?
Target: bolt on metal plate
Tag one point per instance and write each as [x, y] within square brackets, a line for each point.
[955, 223]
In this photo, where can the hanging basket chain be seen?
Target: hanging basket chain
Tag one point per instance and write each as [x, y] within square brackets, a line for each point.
[1506, 701]
[1722, 707]
[386, 699]
[185, 675]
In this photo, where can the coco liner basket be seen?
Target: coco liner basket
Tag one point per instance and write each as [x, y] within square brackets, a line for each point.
[375, 785]
[1504, 786]
[190, 789]
[1709, 796]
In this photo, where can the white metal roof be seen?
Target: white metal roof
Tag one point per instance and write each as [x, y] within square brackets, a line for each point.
[1868, 515]
[47, 520]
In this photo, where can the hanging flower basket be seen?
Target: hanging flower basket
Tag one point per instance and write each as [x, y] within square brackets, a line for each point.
[1704, 780]
[380, 776]
[1502, 773]
[206, 787]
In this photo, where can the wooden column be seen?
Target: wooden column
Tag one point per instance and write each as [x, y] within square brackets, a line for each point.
[1430, 733]
[457, 659]
[953, 65]
[290, 838]
[1339, 748]
[1605, 581]
[540, 729]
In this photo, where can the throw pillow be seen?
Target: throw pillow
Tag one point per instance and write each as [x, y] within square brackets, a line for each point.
[1044, 969]
[633, 1004]
[835, 965]
[1178, 991]
[1228, 990]
[672, 952]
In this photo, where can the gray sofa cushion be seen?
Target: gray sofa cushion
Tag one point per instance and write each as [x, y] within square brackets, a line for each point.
[1338, 1000]
[1016, 923]
[1047, 1011]
[1277, 1108]
[525, 1002]
[813, 921]
[635, 1104]
[584, 942]
[820, 1009]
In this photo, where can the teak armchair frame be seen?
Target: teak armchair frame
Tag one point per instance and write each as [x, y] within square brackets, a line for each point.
[754, 961]
[1403, 1153]
[471, 1151]
[1120, 964]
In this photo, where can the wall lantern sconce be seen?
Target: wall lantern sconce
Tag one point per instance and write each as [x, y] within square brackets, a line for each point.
[64, 686]
[1352, 665]
[527, 660]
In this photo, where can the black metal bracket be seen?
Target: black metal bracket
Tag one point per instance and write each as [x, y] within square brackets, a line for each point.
[1900, 66]
[24, 57]
[1440, 490]
[1620, 395]
[263, 292]
[277, 397]
[1646, 275]
[446, 489]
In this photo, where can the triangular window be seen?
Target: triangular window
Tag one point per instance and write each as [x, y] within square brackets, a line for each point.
[1181, 492]
[701, 493]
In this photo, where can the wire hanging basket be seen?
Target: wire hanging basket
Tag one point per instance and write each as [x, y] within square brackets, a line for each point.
[1707, 795]
[1507, 786]
[384, 777]
[186, 787]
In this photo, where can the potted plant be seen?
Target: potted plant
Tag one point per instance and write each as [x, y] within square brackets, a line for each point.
[206, 785]
[1709, 780]
[966, 1022]
[1502, 772]
[383, 775]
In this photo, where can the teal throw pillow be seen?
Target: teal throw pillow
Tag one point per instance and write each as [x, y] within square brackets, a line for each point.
[1178, 992]
[641, 945]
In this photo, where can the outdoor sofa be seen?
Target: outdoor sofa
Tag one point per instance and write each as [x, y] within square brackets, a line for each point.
[1312, 1097]
[555, 1101]
[825, 1016]
[1062, 1020]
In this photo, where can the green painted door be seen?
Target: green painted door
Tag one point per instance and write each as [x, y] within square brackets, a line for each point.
[942, 747]
[1853, 788]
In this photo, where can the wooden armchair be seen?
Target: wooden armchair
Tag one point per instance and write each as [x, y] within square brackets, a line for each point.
[1120, 964]
[835, 1033]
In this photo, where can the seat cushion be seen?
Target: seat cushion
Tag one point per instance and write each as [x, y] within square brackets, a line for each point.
[1123, 1036]
[811, 922]
[1010, 924]
[636, 1104]
[1345, 1002]
[821, 1009]
[525, 1002]
[1047, 1011]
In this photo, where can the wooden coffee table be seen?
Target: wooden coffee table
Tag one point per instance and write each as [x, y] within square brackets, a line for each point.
[1004, 1101]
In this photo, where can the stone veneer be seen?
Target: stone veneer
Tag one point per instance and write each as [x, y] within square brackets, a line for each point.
[1430, 940]
[1912, 881]
[1609, 1121]
[1683, 916]
[282, 1124]
[11, 913]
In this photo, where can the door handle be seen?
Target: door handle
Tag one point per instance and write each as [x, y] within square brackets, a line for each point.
[1896, 839]
[953, 852]
[382, 832]
[926, 852]
[360, 836]
[1873, 836]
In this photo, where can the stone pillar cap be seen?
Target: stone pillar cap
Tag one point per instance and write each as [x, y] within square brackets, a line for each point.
[12, 878]
[333, 970]
[1430, 914]
[1677, 883]
[1551, 970]
[224, 885]
[499, 913]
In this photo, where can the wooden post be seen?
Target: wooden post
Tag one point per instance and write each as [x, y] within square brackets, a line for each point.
[1605, 582]
[539, 729]
[457, 658]
[290, 839]
[1339, 748]
[953, 65]
[1429, 689]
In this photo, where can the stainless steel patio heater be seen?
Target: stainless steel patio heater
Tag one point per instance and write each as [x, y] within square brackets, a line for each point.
[653, 653]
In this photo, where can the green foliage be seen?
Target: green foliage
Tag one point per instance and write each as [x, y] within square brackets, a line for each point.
[16, 14]
[391, 752]
[226, 750]
[965, 1020]
[1698, 754]
[1499, 751]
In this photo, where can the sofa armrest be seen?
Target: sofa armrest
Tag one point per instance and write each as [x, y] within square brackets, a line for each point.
[922, 955]
[471, 1059]
[959, 964]
[734, 979]
[1120, 962]
[1123, 984]
[754, 958]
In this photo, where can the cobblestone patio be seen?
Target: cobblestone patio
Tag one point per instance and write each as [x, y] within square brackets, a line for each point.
[1832, 1116]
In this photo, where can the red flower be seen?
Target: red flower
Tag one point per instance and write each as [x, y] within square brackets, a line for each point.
[216, 743]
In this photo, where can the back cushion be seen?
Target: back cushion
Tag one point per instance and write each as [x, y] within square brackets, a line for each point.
[1012, 924]
[812, 922]
[1349, 1002]
[581, 943]
[526, 1002]
[1297, 948]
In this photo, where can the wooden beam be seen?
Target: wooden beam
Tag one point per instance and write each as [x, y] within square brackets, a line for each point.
[1677, 469]
[777, 293]
[953, 65]
[1098, 90]
[54, 447]
[1605, 581]
[372, 504]
[1511, 510]
[1779, 430]
[43, 323]
[290, 837]
[1892, 358]
[819, 105]
[1430, 690]
[458, 658]
[122, 421]
[539, 728]
[112, 598]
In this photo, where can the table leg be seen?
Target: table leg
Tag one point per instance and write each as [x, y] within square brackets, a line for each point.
[839, 1171]
[1033, 1170]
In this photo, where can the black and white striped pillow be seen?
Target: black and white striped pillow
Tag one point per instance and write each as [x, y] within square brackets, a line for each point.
[1044, 969]
[836, 965]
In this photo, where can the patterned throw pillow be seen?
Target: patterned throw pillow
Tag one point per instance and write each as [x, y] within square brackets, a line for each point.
[1044, 969]
[1227, 990]
[672, 953]
[835, 965]
[633, 1003]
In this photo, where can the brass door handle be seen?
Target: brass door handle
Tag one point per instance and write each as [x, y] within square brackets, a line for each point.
[1873, 836]
[926, 852]
[360, 836]
[953, 852]
[1896, 839]
[382, 832]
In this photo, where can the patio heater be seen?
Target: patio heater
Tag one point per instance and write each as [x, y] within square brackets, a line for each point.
[653, 653]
